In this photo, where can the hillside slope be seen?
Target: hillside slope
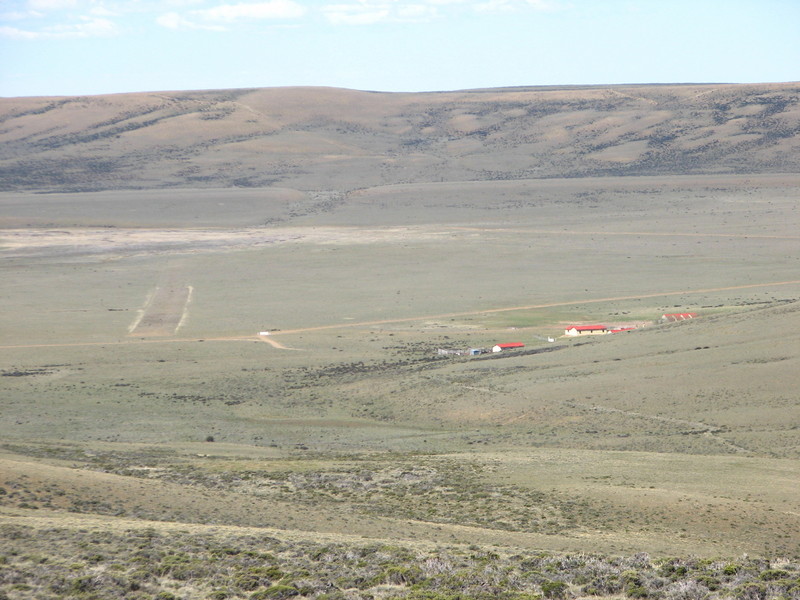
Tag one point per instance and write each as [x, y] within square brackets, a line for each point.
[335, 139]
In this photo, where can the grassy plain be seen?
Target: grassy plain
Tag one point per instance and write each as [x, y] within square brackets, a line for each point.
[142, 409]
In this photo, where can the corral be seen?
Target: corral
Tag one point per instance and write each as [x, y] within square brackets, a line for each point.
[673, 317]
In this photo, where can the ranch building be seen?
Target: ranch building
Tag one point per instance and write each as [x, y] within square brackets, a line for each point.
[577, 330]
[510, 346]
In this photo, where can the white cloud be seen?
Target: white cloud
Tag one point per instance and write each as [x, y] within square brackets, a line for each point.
[416, 12]
[545, 4]
[356, 14]
[511, 5]
[216, 18]
[17, 34]
[369, 12]
[172, 21]
[88, 27]
[276, 9]
[102, 11]
[14, 16]
[175, 21]
[50, 5]
[494, 6]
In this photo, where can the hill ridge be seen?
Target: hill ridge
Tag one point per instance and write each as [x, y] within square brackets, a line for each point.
[333, 138]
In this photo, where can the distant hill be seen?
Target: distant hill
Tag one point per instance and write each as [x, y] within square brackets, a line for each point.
[336, 139]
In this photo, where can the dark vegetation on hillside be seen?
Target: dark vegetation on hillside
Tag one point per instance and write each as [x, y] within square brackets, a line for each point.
[305, 137]
[148, 564]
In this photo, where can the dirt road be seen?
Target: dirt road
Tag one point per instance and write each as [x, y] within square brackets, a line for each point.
[355, 324]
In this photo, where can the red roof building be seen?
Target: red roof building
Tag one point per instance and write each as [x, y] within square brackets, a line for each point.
[576, 330]
[508, 346]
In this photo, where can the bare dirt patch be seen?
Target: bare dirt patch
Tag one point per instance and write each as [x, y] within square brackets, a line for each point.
[164, 311]
[166, 307]
[118, 242]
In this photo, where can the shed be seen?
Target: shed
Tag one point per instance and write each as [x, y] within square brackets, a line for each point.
[509, 346]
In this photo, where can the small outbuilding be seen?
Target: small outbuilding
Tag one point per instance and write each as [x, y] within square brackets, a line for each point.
[577, 330]
[509, 346]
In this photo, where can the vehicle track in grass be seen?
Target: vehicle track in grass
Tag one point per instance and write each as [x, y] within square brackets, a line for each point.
[164, 312]
[357, 324]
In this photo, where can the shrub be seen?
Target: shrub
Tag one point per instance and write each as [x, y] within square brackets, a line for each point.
[712, 583]
[402, 575]
[248, 581]
[634, 588]
[636, 591]
[256, 577]
[673, 568]
[428, 595]
[82, 584]
[730, 569]
[773, 575]
[686, 590]
[275, 592]
[751, 591]
[554, 589]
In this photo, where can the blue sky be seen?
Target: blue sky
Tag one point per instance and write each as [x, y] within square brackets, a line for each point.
[82, 47]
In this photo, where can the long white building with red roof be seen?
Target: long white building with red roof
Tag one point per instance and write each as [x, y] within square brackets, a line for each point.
[576, 330]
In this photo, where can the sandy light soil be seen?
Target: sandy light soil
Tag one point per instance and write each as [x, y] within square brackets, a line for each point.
[133, 242]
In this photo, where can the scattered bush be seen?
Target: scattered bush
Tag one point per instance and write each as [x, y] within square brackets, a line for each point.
[402, 575]
[147, 565]
[276, 592]
[554, 589]
[751, 591]
[773, 575]
[686, 590]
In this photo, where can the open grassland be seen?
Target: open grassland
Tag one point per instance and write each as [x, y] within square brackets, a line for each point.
[155, 445]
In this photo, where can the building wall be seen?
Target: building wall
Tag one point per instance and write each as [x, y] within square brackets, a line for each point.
[573, 332]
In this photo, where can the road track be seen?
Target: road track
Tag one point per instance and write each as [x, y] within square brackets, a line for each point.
[357, 324]
[531, 307]
[576, 232]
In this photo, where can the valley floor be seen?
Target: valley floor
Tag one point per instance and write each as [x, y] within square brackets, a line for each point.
[155, 445]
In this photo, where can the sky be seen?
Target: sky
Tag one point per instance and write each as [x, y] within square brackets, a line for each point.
[87, 47]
